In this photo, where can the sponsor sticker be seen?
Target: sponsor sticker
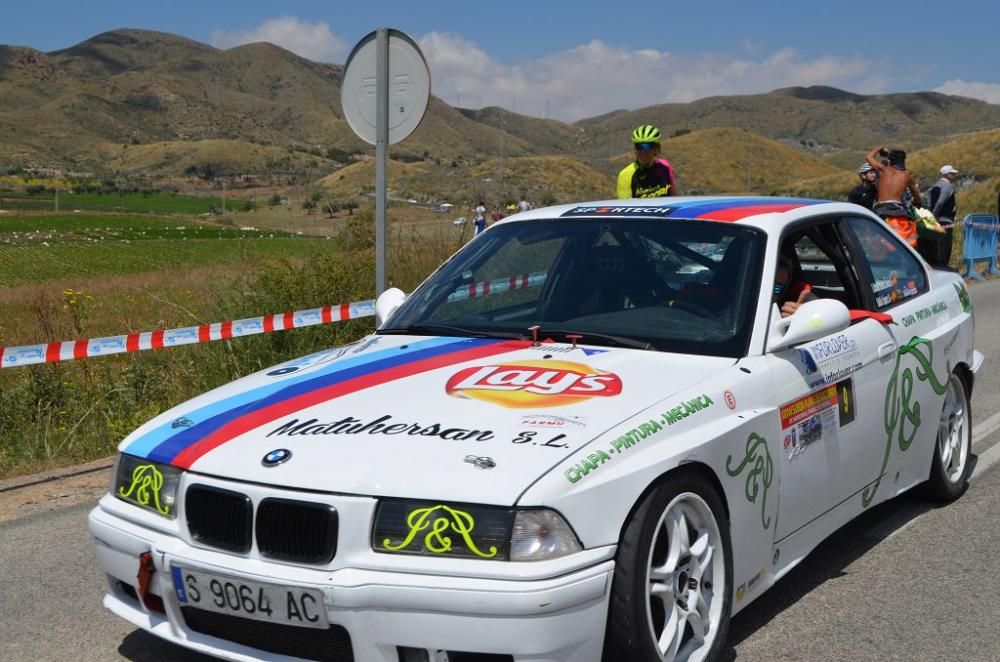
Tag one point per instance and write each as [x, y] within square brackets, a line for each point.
[748, 586]
[531, 383]
[830, 360]
[551, 422]
[810, 419]
[657, 211]
[384, 425]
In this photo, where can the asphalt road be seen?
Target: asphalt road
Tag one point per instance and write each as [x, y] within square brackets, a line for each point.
[908, 581]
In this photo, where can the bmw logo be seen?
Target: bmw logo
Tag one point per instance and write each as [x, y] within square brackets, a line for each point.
[276, 457]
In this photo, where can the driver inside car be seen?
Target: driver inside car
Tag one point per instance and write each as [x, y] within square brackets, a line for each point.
[790, 291]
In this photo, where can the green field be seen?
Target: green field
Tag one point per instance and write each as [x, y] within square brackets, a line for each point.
[43, 248]
[22, 265]
[161, 203]
[30, 229]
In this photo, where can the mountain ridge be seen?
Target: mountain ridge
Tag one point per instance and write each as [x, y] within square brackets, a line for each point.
[180, 99]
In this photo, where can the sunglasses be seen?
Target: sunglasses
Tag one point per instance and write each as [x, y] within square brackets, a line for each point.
[645, 147]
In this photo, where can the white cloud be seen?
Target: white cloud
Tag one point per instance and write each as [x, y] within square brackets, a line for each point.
[595, 78]
[314, 41]
[985, 91]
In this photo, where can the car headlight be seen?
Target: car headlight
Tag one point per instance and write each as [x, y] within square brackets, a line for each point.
[471, 531]
[149, 485]
[540, 535]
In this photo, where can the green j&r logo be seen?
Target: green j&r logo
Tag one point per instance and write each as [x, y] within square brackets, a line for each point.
[438, 521]
[147, 481]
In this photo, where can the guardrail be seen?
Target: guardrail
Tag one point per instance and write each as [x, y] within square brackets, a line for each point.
[980, 233]
[11, 357]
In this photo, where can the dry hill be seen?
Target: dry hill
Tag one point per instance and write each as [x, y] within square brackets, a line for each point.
[976, 155]
[820, 119]
[180, 105]
[542, 179]
[713, 161]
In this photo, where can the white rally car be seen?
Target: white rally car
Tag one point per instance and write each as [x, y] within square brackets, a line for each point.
[590, 435]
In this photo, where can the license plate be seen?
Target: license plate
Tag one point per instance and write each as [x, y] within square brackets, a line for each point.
[261, 602]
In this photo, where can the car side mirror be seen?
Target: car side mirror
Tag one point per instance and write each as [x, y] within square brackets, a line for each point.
[813, 320]
[387, 303]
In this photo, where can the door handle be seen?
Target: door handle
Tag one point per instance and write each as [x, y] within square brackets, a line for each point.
[886, 349]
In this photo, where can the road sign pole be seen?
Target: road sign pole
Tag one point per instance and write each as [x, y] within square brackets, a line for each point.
[366, 93]
[381, 144]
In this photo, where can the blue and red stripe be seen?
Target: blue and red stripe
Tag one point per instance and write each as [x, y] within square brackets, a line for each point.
[236, 417]
[735, 209]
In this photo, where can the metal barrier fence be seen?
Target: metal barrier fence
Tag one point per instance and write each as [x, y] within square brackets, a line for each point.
[979, 235]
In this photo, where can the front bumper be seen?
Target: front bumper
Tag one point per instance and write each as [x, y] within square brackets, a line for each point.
[557, 619]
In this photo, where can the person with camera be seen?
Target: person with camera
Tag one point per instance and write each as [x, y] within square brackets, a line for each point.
[894, 180]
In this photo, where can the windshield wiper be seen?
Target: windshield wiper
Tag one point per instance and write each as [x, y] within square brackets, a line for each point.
[448, 330]
[589, 337]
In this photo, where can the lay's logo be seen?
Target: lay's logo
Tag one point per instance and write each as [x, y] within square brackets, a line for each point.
[528, 384]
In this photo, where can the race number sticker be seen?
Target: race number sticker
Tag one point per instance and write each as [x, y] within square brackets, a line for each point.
[810, 419]
[845, 396]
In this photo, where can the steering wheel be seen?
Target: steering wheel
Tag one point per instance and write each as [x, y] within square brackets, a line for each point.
[693, 308]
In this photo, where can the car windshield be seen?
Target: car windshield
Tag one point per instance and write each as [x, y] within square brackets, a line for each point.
[678, 286]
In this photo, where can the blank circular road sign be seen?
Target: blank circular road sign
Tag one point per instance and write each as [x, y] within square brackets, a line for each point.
[409, 87]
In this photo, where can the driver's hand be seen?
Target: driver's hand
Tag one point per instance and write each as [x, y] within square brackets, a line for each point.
[789, 307]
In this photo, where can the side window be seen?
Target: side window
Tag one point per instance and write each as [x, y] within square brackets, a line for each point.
[893, 273]
[820, 262]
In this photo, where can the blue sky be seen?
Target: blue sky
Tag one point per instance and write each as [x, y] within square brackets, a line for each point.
[577, 59]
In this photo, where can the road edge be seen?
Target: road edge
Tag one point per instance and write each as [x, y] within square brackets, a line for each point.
[20, 482]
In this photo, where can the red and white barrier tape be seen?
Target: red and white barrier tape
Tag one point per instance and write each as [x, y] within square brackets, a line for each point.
[497, 286]
[69, 350]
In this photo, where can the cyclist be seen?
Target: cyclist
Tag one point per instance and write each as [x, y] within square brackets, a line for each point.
[648, 176]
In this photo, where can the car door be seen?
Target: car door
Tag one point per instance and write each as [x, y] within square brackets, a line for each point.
[921, 326]
[829, 390]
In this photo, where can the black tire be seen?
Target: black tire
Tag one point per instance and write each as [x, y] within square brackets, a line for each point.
[628, 637]
[940, 485]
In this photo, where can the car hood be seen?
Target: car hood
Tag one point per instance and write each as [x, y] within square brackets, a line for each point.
[459, 419]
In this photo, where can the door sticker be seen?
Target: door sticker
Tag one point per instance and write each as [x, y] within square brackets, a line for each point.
[845, 396]
[809, 419]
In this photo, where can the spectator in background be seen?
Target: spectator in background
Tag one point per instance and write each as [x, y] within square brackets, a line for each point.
[479, 220]
[864, 194]
[648, 176]
[936, 247]
[894, 180]
[524, 205]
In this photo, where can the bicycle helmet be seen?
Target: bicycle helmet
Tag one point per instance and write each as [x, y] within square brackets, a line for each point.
[864, 167]
[647, 133]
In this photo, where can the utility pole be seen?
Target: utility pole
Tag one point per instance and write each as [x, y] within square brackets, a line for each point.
[501, 152]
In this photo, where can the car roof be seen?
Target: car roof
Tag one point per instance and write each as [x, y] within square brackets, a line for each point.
[769, 213]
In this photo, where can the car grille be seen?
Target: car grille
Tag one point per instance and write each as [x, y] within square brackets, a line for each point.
[330, 645]
[287, 530]
[296, 531]
[219, 518]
